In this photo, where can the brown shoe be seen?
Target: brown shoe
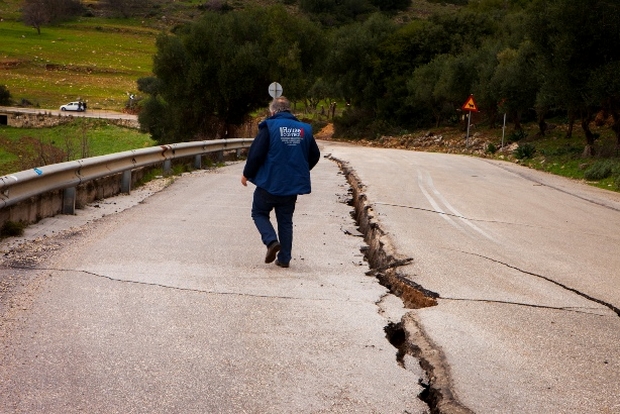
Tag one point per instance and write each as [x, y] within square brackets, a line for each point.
[272, 251]
[279, 263]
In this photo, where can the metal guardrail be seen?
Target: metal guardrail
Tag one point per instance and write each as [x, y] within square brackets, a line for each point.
[25, 184]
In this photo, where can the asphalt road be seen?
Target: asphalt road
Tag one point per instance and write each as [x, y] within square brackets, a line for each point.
[526, 266]
[166, 306]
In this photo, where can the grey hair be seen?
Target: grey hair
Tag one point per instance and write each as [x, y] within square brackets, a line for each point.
[279, 104]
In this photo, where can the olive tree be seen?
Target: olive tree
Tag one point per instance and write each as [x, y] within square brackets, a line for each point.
[574, 40]
[212, 73]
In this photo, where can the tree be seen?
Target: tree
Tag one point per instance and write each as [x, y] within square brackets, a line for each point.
[212, 73]
[573, 40]
[605, 86]
[422, 87]
[37, 13]
[353, 59]
[5, 96]
[488, 96]
[515, 80]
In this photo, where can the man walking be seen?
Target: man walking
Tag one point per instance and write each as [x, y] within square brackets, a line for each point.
[279, 163]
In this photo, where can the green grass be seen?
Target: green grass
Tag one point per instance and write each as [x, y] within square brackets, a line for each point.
[97, 60]
[25, 148]
[559, 155]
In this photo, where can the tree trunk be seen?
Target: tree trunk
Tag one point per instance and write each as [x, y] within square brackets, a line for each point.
[542, 125]
[437, 115]
[571, 123]
[517, 121]
[616, 128]
[586, 118]
[222, 132]
[492, 117]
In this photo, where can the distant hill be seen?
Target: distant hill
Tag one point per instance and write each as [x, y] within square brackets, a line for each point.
[178, 11]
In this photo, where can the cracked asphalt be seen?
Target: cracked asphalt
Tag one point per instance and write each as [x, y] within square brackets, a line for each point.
[160, 302]
[525, 269]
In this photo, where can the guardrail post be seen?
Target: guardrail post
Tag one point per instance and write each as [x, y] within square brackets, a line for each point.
[68, 201]
[198, 162]
[126, 182]
[238, 154]
[220, 156]
[167, 167]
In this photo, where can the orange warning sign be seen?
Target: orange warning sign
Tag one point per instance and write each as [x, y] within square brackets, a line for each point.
[470, 105]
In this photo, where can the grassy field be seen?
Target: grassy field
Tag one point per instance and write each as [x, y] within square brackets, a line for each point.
[95, 60]
[559, 155]
[24, 148]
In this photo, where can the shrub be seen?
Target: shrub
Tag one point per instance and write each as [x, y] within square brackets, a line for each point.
[524, 151]
[12, 229]
[353, 123]
[491, 148]
[5, 96]
[601, 170]
[516, 136]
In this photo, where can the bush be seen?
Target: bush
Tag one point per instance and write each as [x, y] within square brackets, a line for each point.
[601, 170]
[524, 151]
[491, 148]
[353, 123]
[5, 96]
[516, 136]
[12, 229]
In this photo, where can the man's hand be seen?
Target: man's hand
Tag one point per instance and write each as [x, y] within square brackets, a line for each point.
[244, 181]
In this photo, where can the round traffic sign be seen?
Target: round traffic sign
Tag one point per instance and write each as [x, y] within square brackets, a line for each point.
[275, 90]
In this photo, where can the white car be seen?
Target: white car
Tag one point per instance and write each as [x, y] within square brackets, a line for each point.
[73, 106]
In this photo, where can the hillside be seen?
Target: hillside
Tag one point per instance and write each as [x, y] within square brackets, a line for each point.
[182, 10]
[99, 59]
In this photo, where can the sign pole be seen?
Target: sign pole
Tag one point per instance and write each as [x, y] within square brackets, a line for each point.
[468, 123]
[504, 130]
[469, 106]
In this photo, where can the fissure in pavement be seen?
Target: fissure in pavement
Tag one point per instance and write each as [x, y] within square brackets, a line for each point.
[406, 336]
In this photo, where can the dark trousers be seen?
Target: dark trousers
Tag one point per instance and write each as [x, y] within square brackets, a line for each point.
[284, 207]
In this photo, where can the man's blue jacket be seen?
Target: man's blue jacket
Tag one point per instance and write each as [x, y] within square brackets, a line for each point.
[282, 155]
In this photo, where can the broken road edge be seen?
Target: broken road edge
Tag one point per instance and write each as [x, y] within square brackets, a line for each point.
[407, 336]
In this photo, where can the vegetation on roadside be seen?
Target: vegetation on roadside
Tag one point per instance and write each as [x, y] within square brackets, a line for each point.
[12, 229]
[25, 148]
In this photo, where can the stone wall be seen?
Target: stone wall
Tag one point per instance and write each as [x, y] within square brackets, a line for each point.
[47, 119]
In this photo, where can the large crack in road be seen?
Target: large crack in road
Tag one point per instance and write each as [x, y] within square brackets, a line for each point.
[407, 336]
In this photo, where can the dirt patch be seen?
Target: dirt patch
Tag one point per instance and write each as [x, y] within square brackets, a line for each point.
[326, 133]
[448, 140]
[10, 63]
